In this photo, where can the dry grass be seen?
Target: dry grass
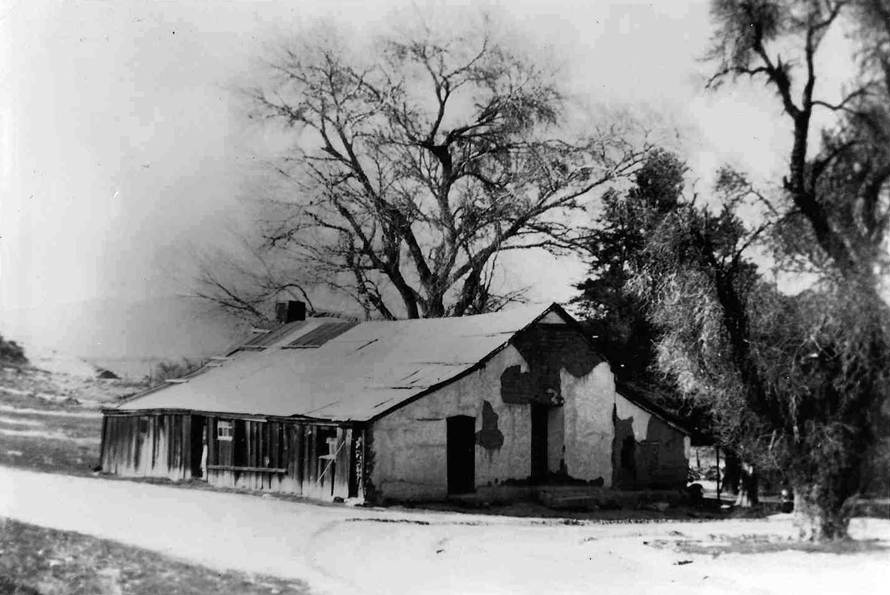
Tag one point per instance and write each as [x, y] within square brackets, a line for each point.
[51, 422]
[47, 441]
[38, 561]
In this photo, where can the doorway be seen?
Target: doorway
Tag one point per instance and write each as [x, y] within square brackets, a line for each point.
[540, 415]
[198, 435]
[461, 454]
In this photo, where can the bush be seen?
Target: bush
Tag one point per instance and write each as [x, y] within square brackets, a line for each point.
[166, 369]
[11, 352]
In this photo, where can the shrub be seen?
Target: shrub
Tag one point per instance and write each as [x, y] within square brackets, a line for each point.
[11, 352]
[166, 369]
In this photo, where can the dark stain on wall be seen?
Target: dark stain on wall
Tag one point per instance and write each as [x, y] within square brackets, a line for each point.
[661, 460]
[547, 349]
[624, 473]
[518, 387]
[658, 462]
[489, 437]
[372, 495]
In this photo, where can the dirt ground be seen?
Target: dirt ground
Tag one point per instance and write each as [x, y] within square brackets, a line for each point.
[339, 549]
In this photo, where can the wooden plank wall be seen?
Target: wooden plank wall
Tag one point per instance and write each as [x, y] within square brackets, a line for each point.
[308, 460]
[147, 446]
[315, 461]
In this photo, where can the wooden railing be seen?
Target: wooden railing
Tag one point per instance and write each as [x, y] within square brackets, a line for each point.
[249, 469]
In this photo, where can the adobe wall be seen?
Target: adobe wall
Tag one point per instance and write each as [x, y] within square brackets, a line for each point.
[588, 424]
[410, 446]
[647, 453]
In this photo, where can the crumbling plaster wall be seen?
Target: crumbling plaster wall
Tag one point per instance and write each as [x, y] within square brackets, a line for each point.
[410, 459]
[588, 423]
[639, 417]
[660, 457]
[410, 444]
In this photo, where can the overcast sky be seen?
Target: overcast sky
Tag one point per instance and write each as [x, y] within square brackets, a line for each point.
[120, 143]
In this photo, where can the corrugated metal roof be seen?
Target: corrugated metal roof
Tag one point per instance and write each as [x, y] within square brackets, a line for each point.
[320, 335]
[271, 336]
[357, 375]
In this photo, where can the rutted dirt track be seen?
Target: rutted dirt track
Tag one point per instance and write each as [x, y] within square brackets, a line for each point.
[347, 550]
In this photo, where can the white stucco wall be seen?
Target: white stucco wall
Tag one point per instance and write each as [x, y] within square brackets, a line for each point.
[410, 443]
[627, 410]
[588, 423]
[552, 318]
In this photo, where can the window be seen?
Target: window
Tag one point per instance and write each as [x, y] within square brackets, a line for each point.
[224, 431]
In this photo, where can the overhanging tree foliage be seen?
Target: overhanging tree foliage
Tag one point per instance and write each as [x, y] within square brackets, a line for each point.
[419, 161]
[613, 313]
[794, 382]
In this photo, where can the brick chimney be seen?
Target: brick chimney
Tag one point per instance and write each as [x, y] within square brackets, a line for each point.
[291, 311]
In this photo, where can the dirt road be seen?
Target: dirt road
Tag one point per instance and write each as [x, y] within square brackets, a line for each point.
[348, 550]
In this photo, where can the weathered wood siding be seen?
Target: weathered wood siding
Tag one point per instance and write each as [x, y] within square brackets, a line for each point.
[147, 445]
[312, 460]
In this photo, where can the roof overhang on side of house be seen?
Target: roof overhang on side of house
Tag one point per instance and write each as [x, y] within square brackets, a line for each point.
[229, 415]
[636, 395]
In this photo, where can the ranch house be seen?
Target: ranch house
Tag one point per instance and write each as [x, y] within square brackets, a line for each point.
[332, 409]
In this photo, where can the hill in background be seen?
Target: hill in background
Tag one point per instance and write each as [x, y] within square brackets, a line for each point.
[127, 338]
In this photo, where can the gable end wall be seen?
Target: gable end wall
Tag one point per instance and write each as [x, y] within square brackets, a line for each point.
[410, 444]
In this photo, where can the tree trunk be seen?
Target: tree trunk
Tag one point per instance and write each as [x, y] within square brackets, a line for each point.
[815, 518]
[747, 487]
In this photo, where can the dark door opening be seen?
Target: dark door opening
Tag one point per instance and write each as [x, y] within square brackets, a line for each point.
[540, 413]
[628, 463]
[461, 454]
[199, 445]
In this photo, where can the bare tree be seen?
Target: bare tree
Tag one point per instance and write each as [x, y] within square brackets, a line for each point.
[418, 162]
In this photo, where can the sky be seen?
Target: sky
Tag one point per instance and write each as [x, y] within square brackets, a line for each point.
[123, 147]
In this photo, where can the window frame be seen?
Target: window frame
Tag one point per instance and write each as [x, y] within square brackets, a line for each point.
[225, 430]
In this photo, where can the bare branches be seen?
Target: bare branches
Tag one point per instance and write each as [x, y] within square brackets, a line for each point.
[245, 287]
[417, 162]
[842, 105]
[747, 30]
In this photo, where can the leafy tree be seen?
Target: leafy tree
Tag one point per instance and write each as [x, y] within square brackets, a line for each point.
[613, 303]
[794, 382]
[416, 162]
[613, 313]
